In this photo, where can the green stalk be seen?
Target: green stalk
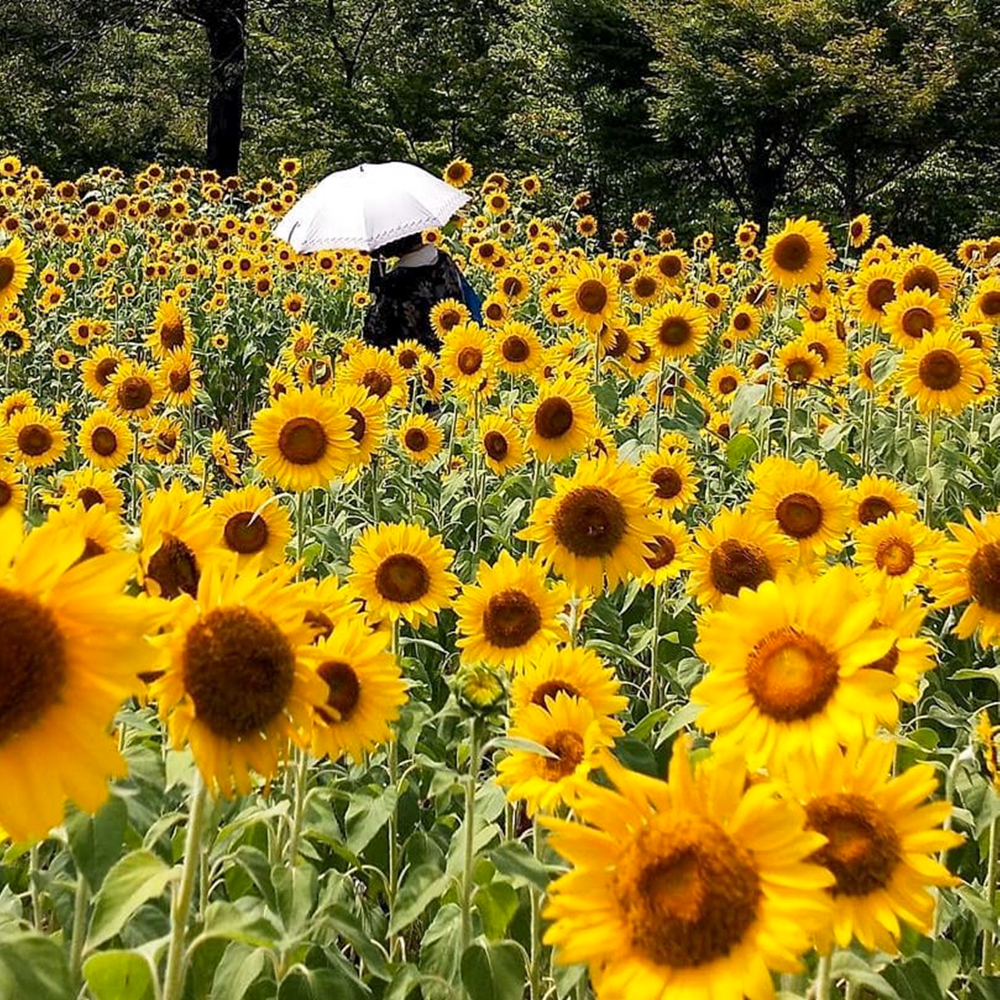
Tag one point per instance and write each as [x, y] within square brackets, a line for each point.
[824, 978]
[36, 897]
[790, 419]
[475, 756]
[659, 399]
[655, 689]
[298, 803]
[180, 903]
[535, 972]
[392, 826]
[79, 931]
[928, 498]
[989, 940]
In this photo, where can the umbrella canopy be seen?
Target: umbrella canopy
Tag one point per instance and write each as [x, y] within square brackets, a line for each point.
[368, 206]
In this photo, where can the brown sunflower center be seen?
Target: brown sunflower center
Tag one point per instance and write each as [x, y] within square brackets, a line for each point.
[989, 303]
[856, 230]
[553, 418]
[917, 321]
[549, 689]
[402, 578]
[496, 446]
[172, 333]
[104, 441]
[742, 321]
[662, 552]
[590, 522]
[862, 849]
[592, 296]
[134, 393]
[820, 349]
[377, 382]
[799, 515]
[568, 749]
[512, 287]
[791, 676]
[320, 623]
[880, 293]
[792, 252]
[940, 370]
[515, 349]
[180, 380]
[894, 555]
[89, 497]
[921, 276]
[6, 272]
[510, 619]
[469, 360]
[886, 664]
[343, 691]
[174, 567]
[984, 576]
[800, 370]
[238, 669]
[408, 358]
[687, 892]
[674, 332]
[6, 494]
[302, 441]
[34, 440]
[727, 384]
[668, 483]
[670, 265]
[416, 439]
[245, 533]
[32, 662]
[735, 564]
[873, 509]
[494, 311]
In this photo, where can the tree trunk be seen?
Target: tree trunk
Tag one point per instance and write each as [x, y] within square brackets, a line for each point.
[225, 27]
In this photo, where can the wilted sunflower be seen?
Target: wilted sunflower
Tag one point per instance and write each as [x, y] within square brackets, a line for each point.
[804, 502]
[738, 549]
[15, 269]
[594, 528]
[789, 666]
[37, 438]
[420, 438]
[234, 687]
[875, 497]
[401, 571]
[895, 553]
[677, 888]
[589, 296]
[574, 743]
[171, 330]
[939, 372]
[134, 390]
[510, 614]
[500, 440]
[561, 420]
[913, 315]
[677, 329]
[303, 440]
[670, 476]
[178, 540]
[882, 838]
[72, 645]
[798, 254]
[252, 523]
[364, 689]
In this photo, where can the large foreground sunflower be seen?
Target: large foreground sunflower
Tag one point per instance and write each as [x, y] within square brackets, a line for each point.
[882, 837]
[589, 296]
[562, 420]
[790, 666]
[698, 886]
[939, 372]
[38, 438]
[797, 255]
[594, 528]
[303, 440]
[72, 643]
[233, 685]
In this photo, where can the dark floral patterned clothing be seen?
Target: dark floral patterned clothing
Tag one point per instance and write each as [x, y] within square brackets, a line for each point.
[403, 300]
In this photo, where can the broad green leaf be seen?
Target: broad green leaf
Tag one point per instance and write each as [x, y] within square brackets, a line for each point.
[246, 921]
[517, 862]
[96, 841]
[33, 967]
[913, 979]
[739, 449]
[118, 975]
[366, 815]
[748, 396]
[295, 890]
[493, 970]
[497, 903]
[137, 878]
[240, 967]
[421, 887]
[347, 925]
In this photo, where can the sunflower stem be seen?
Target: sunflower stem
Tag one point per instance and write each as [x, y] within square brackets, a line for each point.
[300, 527]
[789, 419]
[298, 803]
[928, 495]
[535, 972]
[180, 903]
[866, 431]
[824, 978]
[468, 824]
[659, 400]
[392, 753]
[79, 932]
[989, 940]
[655, 686]
[34, 870]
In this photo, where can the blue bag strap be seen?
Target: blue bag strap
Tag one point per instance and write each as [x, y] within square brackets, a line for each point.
[471, 298]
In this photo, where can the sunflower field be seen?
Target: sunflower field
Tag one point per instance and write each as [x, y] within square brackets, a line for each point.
[638, 643]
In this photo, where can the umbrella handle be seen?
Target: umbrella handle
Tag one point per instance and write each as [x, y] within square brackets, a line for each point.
[376, 274]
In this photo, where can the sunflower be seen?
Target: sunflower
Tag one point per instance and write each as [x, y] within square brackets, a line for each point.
[378, 371]
[178, 540]
[420, 438]
[15, 269]
[180, 377]
[160, 440]
[367, 418]
[804, 502]
[510, 614]
[911, 655]
[574, 743]
[500, 439]
[827, 346]
[72, 644]
[882, 836]
[561, 420]
[364, 689]
[134, 390]
[677, 329]
[38, 438]
[912, 315]
[896, 552]
[458, 173]
[589, 296]
[874, 291]
[939, 372]
[15, 339]
[224, 456]
[303, 440]
[724, 380]
[171, 330]
[670, 476]
[930, 271]
[411, 354]
[797, 364]
[744, 323]
[63, 359]
[401, 571]
[985, 305]
[673, 265]
[797, 255]
[518, 349]
[90, 487]
[514, 285]
[859, 230]
[576, 672]
[789, 666]
[667, 551]
[447, 314]
[875, 497]
[467, 356]
[100, 528]
[328, 602]
[738, 549]
[692, 887]
[253, 524]
[234, 687]
[98, 367]
[594, 528]
[12, 493]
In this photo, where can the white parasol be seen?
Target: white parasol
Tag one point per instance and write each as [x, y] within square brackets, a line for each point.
[368, 206]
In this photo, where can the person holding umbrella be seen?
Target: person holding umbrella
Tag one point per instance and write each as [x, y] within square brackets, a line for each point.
[383, 208]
